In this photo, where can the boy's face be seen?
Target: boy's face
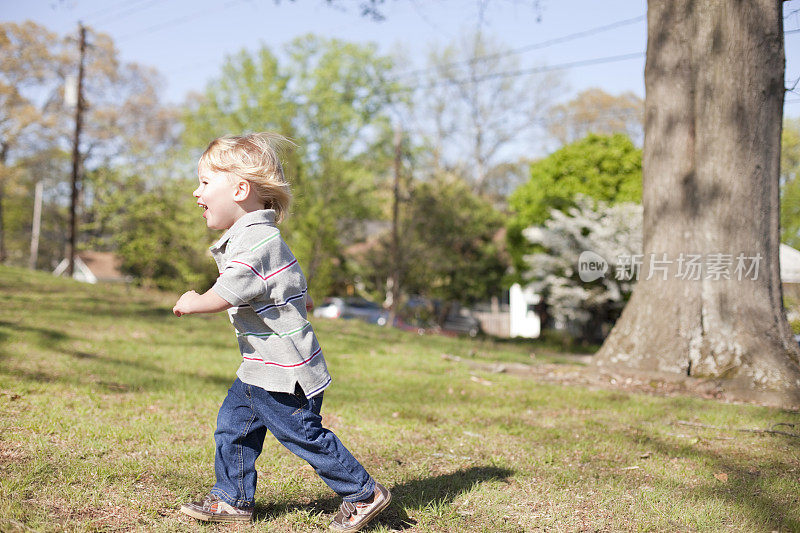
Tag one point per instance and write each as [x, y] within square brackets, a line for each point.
[216, 196]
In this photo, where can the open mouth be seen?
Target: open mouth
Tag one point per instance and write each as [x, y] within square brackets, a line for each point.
[204, 206]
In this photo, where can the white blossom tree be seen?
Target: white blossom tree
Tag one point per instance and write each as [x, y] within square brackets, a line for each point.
[610, 231]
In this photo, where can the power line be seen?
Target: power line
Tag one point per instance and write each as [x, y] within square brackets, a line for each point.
[537, 70]
[515, 73]
[408, 89]
[627, 114]
[529, 47]
[177, 21]
[428, 21]
[117, 16]
[111, 8]
[535, 46]
[397, 77]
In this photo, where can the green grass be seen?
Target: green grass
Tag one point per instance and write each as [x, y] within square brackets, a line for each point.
[108, 405]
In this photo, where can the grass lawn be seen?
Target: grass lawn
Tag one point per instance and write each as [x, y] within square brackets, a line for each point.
[108, 405]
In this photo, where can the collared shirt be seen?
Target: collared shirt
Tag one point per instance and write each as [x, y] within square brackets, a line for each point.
[261, 279]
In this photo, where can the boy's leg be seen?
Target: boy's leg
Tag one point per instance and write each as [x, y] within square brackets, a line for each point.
[239, 438]
[296, 422]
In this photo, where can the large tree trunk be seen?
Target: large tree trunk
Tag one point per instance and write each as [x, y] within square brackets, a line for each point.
[714, 82]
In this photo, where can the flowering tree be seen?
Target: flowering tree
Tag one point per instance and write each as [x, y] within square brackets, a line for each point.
[588, 308]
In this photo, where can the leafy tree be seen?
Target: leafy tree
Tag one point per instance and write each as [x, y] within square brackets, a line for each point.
[610, 231]
[596, 111]
[450, 246]
[250, 94]
[459, 229]
[159, 233]
[345, 101]
[29, 61]
[125, 124]
[48, 166]
[607, 168]
[331, 98]
[16, 213]
[474, 115]
[790, 183]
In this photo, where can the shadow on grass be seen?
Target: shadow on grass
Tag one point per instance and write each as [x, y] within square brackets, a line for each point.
[150, 377]
[436, 490]
[45, 338]
[747, 487]
[555, 344]
[135, 375]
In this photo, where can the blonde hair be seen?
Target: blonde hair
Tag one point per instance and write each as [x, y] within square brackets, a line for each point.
[254, 158]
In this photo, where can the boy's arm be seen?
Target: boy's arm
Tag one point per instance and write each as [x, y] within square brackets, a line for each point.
[208, 302]
[309, 302]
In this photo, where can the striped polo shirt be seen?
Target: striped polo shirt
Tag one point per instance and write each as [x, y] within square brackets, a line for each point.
[261, 279]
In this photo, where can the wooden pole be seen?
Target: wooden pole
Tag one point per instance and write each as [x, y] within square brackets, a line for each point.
[76, 158]
[395, 280]
[3, 158]
[37, 224]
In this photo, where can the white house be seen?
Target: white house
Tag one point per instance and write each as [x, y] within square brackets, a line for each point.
[517, 318]
[523, 320]
[91, 267]
[790, 264]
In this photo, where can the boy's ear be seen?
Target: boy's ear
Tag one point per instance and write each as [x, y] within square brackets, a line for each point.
[242, 190]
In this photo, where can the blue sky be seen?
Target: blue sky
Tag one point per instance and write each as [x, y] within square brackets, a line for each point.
[187, 40]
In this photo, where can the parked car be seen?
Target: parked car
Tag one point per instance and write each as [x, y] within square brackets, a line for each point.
[353, 307]
[417, 314]
[418, 327]
[421, 315]
[462, 324]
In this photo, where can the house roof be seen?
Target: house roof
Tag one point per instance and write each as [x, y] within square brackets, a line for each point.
[104, 265]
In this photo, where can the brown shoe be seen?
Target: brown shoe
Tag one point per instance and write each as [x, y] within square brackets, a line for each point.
[352, 516]
[213, 509]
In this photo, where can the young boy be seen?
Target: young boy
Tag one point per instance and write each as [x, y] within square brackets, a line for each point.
[282, 377]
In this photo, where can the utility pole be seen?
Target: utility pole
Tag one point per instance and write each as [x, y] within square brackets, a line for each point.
[3, 158]
[395, 279]
[76, 157]
[37, 224]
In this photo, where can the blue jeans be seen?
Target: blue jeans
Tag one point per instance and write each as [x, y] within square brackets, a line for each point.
[246, 415]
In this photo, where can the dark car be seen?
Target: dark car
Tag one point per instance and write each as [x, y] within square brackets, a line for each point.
[417, 314]
[422, 315]
[353, 307]
[462, 324]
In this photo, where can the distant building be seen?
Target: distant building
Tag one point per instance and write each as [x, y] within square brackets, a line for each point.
[91, 267]
[524, 321]
[514, 314]
[790, 264]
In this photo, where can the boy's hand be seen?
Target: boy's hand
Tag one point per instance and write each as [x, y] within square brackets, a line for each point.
[191, 302]
[183, 305]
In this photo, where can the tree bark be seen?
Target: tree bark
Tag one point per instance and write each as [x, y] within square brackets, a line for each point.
[714, 81]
